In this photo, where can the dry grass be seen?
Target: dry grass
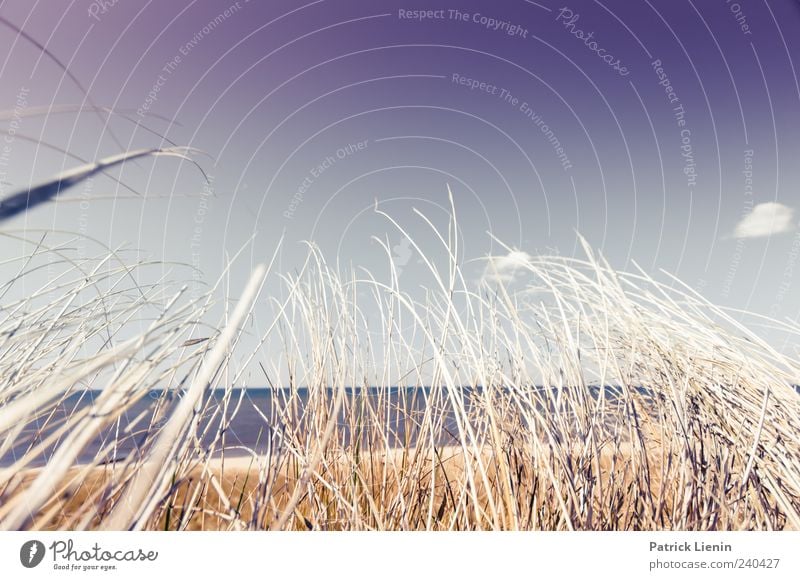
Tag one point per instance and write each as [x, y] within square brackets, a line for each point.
[218, 483]
[701, 431]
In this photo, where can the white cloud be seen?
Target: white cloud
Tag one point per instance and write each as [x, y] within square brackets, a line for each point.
[504, 268]
[766, 219]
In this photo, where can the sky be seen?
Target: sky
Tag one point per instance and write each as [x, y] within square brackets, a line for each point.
[665, 132]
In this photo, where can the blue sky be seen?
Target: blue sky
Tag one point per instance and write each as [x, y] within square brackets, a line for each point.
[665, 132]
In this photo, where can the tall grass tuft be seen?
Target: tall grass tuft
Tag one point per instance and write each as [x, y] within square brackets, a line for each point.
[582, 399]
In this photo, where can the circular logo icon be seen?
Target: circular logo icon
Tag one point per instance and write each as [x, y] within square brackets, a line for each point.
[31, 553]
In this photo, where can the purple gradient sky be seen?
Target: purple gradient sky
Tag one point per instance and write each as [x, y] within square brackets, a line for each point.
[277, 87]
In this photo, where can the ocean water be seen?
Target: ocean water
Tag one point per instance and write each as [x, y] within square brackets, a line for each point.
[255, 421]
[250, 426]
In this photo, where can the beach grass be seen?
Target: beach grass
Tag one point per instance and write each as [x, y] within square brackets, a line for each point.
[598, 400]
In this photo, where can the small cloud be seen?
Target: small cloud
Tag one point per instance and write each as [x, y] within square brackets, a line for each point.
[401, 253]
[766, 219]
[504, 268]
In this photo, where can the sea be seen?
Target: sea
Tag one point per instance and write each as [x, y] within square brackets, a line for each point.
[247, 420]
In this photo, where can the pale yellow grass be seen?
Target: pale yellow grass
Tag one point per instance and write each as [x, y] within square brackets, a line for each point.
[222, 485]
